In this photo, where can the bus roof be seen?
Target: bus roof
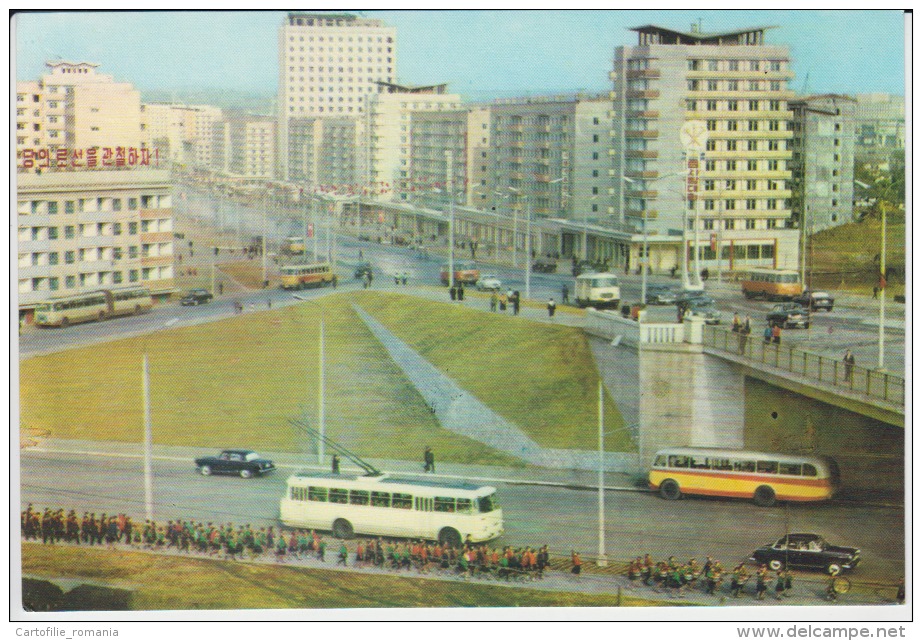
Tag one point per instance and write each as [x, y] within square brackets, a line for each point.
[393, 483]
[741, 454]
[589, 275]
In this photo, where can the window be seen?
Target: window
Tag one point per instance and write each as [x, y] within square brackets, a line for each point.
[710, 165]
[730, 205]
[774, 126]
[708, 226]
[751, 224]
[359, 497]
[712, 85]
[744, 466]
[69, 257]
[732, 105]
[751, 185]
[339, 495]
[750, 203]
[117, 278]
[53, 258]
[52, 233]
[712, 125]
[444, 504]
[752, 165]
[731, 125]
[731, 145]
[731, 165]
[690, 105]
[317, 494]
[381, 499]
[402, 501]
[711, 105]
[53, 284]
[694, 65]
[676, 460]
[734, 65]
[753, 125]
[132, 229]
[52, 208]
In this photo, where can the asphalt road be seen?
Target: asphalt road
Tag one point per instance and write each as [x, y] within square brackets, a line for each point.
[563, 518]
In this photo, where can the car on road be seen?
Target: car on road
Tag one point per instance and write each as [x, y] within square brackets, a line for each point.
[362, 270]
[815, 300]
[544, 267]
[245, 463]
[810, 551]
[585, 267]
[704, 310]
[789, 315]
[688, 296]
[489, 283]
[661, 295]
[196, 297]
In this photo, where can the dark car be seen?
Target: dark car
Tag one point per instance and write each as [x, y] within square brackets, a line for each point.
[661, 295]
[815, 300]
[689, 296]
[544, 267]
[789, 315]
[703, 310]
[196, 297]
[807, 551]
[584, 267]
[246, 463]
[363, 270]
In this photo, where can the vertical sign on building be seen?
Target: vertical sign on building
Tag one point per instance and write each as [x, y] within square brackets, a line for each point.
[692, 166]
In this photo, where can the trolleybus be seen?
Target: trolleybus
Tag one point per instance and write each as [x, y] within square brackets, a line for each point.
[303, 276]
[94, 305]
[763, 477]
[465, 272]
[772, 284]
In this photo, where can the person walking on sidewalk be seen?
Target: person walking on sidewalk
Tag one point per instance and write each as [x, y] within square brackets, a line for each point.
[565, 295]
[776, 334]
[428, 460]
[515, 303]
[849, 360]
[577, 562]
[551, 307]
[493, 300]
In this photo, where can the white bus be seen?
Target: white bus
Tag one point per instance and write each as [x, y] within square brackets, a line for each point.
[95, 305]
[597, 290]
[450, 512]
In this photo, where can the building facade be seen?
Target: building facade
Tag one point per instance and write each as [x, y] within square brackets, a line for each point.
[72, 108]
[91, 230]
[328, 66]
[823, 162]
[880, 127]
[736, 85]
[326, 152]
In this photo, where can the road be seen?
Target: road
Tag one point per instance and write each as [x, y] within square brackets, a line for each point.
[565, 519]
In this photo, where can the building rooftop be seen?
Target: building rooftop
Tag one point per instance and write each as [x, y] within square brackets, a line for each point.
[393, 87]
[655, 34]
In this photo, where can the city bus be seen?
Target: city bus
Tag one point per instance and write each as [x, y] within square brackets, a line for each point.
[772, 284]
[303, 276]
[381, 505]
[763, 477]
[94, 305]
[465, 272]
[597, 290]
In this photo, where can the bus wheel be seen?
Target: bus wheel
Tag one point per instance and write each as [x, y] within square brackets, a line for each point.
[342, 529]
[669, 490]
[450, 536]
[65, 321]
[776, 565]
[764, 496]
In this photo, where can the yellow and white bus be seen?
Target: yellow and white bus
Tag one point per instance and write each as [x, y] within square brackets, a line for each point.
[302, 276]
[763, 477]
[772, 284]
[450, 512]
[95, 305]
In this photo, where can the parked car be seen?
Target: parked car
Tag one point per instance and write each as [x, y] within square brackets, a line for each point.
[362, 270]
[705, 311]
[687, 296]
[807, 551]
[584, 267]
[789, 315]
[196, 297]
[489, 283]
[815, 300]
[246, 463]
[660, 295]
[544, 266]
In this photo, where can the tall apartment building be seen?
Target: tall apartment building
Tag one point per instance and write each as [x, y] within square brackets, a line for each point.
[328, 66]
[880, 121]
[738, 86]
[184, 134]
[388, 135]
[86, 230]
[74, 108]
[324, 152]
[823, 162]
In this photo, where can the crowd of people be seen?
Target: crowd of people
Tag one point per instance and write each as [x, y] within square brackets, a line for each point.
[677, 578]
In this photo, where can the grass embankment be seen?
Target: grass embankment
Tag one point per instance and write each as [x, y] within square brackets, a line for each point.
[222, 585]
[844, 257]
[239, 380]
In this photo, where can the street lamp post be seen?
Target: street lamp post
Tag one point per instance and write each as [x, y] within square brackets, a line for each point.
[321, 376]
[148, 433]
[449, 183]
[603, 559]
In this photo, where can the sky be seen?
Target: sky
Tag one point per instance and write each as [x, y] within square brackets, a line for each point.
[481, 54]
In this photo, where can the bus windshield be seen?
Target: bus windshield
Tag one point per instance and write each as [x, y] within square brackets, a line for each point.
[605, 282]
[488, 503]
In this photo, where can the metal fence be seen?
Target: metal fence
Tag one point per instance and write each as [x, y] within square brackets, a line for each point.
[871, 383]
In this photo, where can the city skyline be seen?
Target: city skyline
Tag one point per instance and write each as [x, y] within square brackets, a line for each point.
[481, 53]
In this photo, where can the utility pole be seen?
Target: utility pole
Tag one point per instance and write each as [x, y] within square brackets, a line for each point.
[449, 181]
[603, 559]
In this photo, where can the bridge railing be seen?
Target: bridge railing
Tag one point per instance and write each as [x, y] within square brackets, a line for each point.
[871, 383]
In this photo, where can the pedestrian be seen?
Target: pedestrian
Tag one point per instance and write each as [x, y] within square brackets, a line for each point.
[876, 291]
[220, 289]
[736, 322]
[493, 301]
[788, 582]
[849, 360]
[515, 303]
[503, 301]
[779, 585]
[269, 303]
[453, 292]
[576, 561]
[551, 307]
[565, 295]
[460, 291]
[744, 336]
[335, 464]
[428, 460]
[776, 334]
[901, 591]
[767, 334]
[761, 586]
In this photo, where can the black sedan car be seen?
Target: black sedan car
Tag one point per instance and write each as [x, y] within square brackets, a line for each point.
[809, 551]
[789, 315]
[661, 295]
[544, 266]
[363, 270]
[196, 297]
[245, 463]
[815, 300]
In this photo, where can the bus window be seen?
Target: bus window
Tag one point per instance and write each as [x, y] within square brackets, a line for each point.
[678, 461]
[381, 499]
[744, 466]
[402, 501]
[604, 282]
[767, 467]
[809, 470]
[792, 469]
[488, 503]
[339, 496]
[317, 494]
[699, 462]
[721, 464]
[465, 506]
[660, 461]
[444, 504]
[358, 497]
[298, 494]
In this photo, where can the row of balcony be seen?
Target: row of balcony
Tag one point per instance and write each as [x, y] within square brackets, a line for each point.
[739, 114]
[740, 75]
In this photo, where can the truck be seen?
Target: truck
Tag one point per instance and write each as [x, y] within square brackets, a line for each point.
[599, 289]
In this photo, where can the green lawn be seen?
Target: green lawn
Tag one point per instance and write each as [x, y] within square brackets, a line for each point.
[223, 585]
[239, 380]
[843, 257]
